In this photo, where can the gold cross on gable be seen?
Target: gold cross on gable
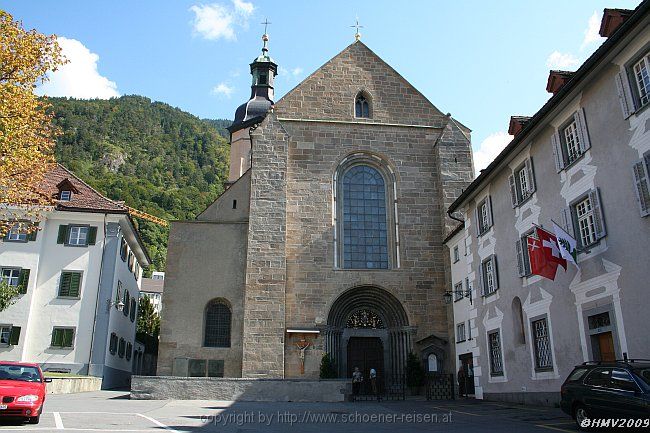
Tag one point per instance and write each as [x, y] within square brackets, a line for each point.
[358, 26]
[266, 23]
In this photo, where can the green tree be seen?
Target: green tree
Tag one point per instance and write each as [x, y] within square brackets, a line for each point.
[327, 367]
[8, 295]
[148, 319]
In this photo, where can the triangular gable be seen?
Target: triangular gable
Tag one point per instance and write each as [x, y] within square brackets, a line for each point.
[329, 92]
[66, 185]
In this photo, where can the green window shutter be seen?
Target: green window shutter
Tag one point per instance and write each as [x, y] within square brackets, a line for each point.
[31, 236]
[64, 286]
[57, 337]
[23, 281]
[63, 234]
[14, 336]
[75, 284]
[68, 336]
[92, 235]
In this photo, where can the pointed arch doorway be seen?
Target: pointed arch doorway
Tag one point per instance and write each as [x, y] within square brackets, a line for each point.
[367, 327]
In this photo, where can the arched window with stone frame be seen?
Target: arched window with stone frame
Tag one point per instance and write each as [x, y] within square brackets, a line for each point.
[217, 323]
[362, 105]
[365, 214]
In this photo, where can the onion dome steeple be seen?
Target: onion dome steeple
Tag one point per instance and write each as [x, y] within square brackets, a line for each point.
[263, 71]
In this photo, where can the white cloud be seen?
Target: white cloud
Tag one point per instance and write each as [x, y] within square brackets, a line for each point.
[223, 89]
[296, 71]
[217, 21]
[558, 60]
[79, 78]
[489, 149]
[591, 32]
[243, 7]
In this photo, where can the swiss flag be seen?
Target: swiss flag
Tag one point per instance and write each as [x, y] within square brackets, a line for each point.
[545, 254]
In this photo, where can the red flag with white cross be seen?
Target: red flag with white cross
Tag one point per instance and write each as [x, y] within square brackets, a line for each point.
[544, 254]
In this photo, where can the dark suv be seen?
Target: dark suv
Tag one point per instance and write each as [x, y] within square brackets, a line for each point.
[616, 389]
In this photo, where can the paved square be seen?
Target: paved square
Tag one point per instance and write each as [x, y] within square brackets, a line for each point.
[111, 411]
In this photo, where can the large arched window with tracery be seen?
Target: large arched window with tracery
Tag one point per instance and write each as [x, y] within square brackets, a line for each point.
[365, 214]
[217, 324]
[365, 233]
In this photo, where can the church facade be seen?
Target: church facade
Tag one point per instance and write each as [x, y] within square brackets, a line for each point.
[330, 236]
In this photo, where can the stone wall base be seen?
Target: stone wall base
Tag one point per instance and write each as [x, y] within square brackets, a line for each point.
[551, 399]
[69, 385]
[237, 389]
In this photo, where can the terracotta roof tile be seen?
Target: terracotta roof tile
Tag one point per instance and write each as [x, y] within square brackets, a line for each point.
[86, 199]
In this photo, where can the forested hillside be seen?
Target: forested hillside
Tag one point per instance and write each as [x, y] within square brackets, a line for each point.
[155, 157]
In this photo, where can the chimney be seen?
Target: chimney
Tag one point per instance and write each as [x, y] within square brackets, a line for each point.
[556, 80]
[517, 123]
[612, 20]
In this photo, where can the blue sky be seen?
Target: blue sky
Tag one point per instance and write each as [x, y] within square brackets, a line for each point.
[481, 61]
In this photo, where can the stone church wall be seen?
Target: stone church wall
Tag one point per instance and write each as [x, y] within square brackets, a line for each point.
[208, 262]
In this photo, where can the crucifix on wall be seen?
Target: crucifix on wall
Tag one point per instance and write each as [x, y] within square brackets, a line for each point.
[302, 346]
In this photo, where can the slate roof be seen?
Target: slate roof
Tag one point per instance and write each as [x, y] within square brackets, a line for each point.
[149, 285]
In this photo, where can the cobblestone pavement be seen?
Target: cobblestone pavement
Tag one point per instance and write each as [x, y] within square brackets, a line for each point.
[110, 411]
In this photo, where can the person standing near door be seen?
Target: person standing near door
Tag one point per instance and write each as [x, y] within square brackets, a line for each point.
[373, 382]
[462, 385]
[357, 378]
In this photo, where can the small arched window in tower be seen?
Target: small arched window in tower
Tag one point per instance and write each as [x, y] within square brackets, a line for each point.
[361, 106]
[217, 324]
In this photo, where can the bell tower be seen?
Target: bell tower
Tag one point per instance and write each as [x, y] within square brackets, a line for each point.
[263, 72]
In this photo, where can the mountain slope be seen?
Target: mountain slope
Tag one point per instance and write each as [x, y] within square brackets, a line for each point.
[156, 158]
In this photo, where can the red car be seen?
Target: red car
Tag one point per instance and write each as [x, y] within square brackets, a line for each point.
[22, 390]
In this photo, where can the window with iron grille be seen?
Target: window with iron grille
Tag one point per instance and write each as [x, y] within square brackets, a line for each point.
[496, 363]
[542, 342]
[217, 324]
[458, 291]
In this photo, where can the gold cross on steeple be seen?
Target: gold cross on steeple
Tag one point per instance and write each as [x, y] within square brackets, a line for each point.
[357, 35]
[266, 23]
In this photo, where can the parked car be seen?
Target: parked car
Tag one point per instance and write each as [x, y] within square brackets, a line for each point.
[22, 390]
[600, 390]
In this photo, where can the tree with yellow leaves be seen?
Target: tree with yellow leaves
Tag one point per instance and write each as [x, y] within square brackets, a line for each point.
[26, 131]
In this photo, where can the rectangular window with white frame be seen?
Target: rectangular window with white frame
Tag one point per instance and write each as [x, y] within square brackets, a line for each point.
[483, 216]
[496, 359]
[641, 173]
[542, 344]
[76, 235]
[522, 183]
[460, 332]
[584, 219]
[16, 277]
[456, 254]
[641, 73]
[571, 141]
[488, 274]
